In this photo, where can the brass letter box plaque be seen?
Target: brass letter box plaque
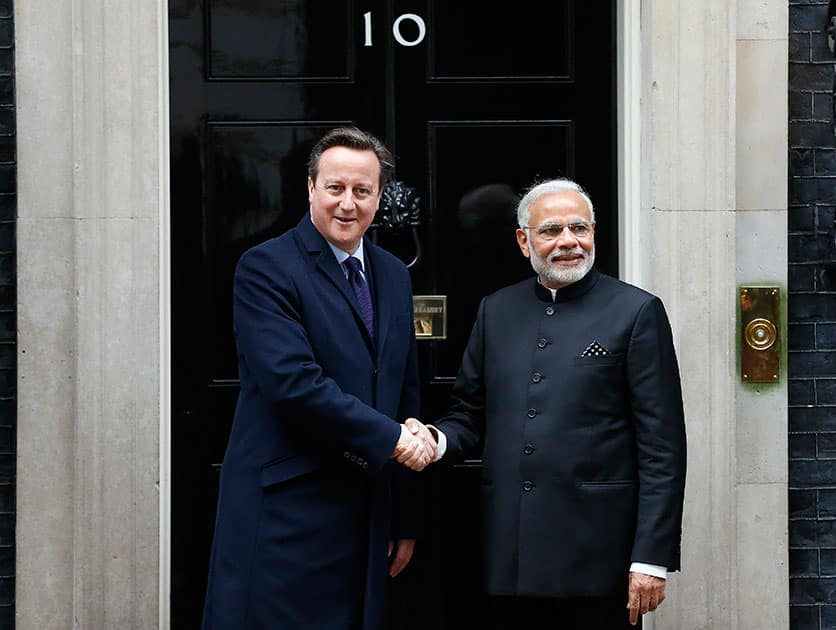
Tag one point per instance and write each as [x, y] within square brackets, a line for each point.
[430, 317]
[760, 348]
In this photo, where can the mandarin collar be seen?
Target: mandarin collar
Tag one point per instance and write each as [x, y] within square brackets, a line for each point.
[569, 292]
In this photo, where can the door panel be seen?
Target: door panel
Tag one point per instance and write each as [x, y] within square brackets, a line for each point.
[484, 104]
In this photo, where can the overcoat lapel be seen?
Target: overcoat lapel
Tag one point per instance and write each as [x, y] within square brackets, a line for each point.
[382, 294]
[327, 265]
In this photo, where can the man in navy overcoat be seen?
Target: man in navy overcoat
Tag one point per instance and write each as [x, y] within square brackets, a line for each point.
[306, 533]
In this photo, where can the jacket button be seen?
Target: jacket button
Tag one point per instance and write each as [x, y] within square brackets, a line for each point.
[354, 458]
[365, 464]
[528, 450]
[542, 343]
[536, 377]
[346, 454]
[532, 412]
[528, 486]
[550, 310]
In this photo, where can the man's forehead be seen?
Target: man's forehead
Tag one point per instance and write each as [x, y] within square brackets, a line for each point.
[556, 206]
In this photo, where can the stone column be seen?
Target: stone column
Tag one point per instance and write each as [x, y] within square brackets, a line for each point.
[92, 128]
[714, 209]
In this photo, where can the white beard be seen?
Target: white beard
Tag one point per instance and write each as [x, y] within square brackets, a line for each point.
[551, 272]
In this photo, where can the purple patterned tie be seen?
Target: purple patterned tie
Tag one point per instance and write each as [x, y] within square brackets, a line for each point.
[355, 279]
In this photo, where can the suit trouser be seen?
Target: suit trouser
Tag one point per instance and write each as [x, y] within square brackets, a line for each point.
[580, 613]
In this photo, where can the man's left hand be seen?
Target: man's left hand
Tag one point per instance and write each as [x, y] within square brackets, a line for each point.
[644, 595]
[403, 554]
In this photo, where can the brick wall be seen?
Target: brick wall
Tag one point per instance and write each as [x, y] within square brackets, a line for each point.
[812, 320]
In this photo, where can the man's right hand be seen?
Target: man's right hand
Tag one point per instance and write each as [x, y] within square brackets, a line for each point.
[416, 447]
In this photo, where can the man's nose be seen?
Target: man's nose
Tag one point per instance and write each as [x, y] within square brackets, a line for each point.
[347, 200]
[566, 239]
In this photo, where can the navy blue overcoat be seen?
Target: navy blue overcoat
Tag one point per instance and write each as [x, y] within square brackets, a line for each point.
[305, 509]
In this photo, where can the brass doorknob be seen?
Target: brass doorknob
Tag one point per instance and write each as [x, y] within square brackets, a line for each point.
[760, 334]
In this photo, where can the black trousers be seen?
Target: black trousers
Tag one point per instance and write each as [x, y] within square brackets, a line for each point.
[581, 613]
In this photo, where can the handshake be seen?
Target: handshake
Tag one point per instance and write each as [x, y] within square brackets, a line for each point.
[416, 447]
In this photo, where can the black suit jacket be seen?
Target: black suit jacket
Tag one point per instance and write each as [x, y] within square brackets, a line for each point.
[583, 450]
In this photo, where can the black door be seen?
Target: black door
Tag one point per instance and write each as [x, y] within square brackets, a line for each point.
[476, 104]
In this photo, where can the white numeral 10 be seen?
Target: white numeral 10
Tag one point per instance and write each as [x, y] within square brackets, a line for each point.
[396, 29]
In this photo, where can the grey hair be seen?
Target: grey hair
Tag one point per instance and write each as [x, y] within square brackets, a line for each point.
[549, 187]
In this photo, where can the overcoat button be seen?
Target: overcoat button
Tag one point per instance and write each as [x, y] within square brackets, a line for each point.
[532, 412]
[528, 486]
[550, 310]
[536, 377]
[542, 343]
[346, 454]
[528, 450]
[354, 458]
[365, 464]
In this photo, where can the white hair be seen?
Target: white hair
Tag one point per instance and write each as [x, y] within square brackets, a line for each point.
[549, 187]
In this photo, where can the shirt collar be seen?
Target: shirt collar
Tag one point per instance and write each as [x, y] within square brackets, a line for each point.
[342, 256]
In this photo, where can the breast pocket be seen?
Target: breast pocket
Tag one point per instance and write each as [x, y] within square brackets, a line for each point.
[603, 360]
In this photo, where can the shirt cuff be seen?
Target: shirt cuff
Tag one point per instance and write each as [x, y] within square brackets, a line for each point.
[649, 569]
[441, 442]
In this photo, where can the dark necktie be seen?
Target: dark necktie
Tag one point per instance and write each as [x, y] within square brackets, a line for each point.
[361, 289]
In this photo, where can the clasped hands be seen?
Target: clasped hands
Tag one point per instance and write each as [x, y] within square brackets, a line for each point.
[416, 448]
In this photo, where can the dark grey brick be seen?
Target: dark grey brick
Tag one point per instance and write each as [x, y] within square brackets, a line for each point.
[801, 336]
[801, 392]
[8, 504]
[7, 91]
[802, 446]
[8, 354]
[826, 336]
[826, 446]
[807, 419]
[7, 445]
[826, 278]
[825, 162]
[808, 247]
[802, 134]
[805, 562]
[7, 529]
[813, 363]
[825, 216]
[8, 207]
[819, 48]
[801, 161]
[808, 18]
[826, 392]
[801, 278]
[828, 617]
[7, 37]
[812, 590]
[823, 107]
[800, 47]
[803, 474]
[6, 8]
[8, 410]
[8, 180]
[8, 149]
[803, 77]
[7, 591]
[801, 218]
[804, 618]
[810, 308]
[802, 504]
[7, 236]
[7, 121]
[801, 105]
[8, 383]
[813, 189]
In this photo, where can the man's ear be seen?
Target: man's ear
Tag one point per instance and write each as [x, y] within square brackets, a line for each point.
[310, 189]
[522, 241]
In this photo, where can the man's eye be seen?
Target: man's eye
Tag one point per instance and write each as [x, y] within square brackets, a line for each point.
[579, 229]
[551, 232]
[363, 192]
[332, 188]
